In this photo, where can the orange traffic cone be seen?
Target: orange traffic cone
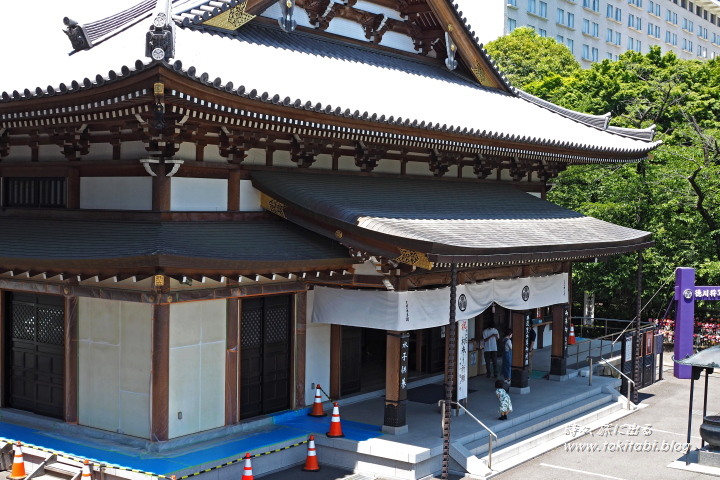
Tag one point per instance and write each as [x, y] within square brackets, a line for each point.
[18, 467]
[317, 409]
[311, 463]
[247, 471]
[86, 474]
[571, 336]
[335, 427]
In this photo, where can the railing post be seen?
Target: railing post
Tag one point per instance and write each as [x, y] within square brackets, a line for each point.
[591, 368]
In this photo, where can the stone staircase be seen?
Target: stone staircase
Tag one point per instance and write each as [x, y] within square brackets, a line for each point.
[529, 435]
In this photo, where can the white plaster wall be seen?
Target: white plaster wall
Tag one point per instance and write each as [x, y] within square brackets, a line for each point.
[197, 366]
[19, 153]
[99, 151]
[255, 157]
[387, 166]
[398, 41]
[346, 28]
[135, 151]
[418, 168]
[116, 193]
[198, 194]
[211, 153]
[186, 152]
[50, 153]
[249, 197]
[317, 361]
[114, 362]
[281, 158]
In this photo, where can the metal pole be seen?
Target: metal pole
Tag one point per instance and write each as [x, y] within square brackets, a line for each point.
[638, 342]
[692, 390]
[450, 374]
[590, 379]
[702, 443]
[662, 358]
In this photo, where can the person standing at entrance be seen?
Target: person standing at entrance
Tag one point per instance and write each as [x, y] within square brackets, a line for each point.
[490, 336]
[507, 354]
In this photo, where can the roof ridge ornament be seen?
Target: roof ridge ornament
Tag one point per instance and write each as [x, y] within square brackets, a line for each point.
[76, 34]
[286, 21]
[160, 40]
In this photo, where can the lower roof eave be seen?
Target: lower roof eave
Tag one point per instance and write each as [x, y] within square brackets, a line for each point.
[534, 257]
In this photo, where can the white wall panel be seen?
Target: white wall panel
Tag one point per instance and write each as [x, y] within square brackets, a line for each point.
[116, 193]
[249, 197]
[114, 362]
[198, 194]
[317, 361]
[197, 366]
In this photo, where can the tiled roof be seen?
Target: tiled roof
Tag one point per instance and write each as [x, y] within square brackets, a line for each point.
[247, 241]
[459, 218]
[102, 29]
[320, 74]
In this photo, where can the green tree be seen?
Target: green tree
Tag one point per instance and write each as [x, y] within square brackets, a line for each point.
[525, 57]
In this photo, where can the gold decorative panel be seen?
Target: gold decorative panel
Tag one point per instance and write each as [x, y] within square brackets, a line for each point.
[480, 74]
[272, 205]
[411, 257]
[231, 19]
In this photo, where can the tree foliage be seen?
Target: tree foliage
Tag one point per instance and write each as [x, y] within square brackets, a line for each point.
[674, 194]
[525, 57]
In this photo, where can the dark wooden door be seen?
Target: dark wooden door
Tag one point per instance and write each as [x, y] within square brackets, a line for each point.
[265, 357]
[350, 361]
[433, 350]
[36, 353]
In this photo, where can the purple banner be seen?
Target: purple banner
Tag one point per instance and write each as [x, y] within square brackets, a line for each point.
[705, 293]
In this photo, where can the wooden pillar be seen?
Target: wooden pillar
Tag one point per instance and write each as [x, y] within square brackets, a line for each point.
[335, 357]
[232, 361]
[558, 351]
[233, 191]
[3, 343]
[161, 190]
[71, 359]
[396, 376]
[300, 348]
[521, 348]
[160, 377]
[73, 188]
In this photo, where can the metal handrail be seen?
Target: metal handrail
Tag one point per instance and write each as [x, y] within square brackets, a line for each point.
[621, 373]
[441, 404]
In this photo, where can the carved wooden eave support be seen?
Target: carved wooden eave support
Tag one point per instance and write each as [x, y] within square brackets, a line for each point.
[440, 162]
[304, 151]
[482, 166]
[4, 144]
[73, 143]
[235, 145]
[367, 156]
[518, 169]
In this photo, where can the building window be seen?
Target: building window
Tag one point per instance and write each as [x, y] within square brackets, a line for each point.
[610, 13]
[653, 30]
[609, 37]
[687, 45]
[586, 52]
[543, 33]
[671, 38]
[609, 56]
[654, 8]
[512, 24]
[594, 54]
[702, 32]
[671, 17]
[593, 5]
[560, 16]
[687, 24]
[637, 3]
[618, 15]
[35, 192]
[634, 22]
[559, 39]
[571, 45]
[586, 26]
[618, 38]
[543, 9]
[512, 3]
[532, 7]
[570, 20]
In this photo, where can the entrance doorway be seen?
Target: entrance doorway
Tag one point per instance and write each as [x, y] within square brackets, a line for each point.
[265, 357]
[35, 346]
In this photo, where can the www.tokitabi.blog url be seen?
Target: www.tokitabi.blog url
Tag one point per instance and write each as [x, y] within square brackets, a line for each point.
[628, 446]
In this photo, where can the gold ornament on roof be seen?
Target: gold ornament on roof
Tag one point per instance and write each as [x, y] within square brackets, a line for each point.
[231, 19]
[480, 74]
[272, 205]
[411, 257]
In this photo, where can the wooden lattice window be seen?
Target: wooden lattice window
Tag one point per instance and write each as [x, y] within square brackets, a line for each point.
[35, 192]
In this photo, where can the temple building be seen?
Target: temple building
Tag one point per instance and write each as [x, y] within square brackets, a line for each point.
[211, 206]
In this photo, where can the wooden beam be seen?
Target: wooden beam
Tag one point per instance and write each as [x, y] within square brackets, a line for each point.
[335, 359]
[160, 376]
[300, 349]
[71, 359]
[232, 361]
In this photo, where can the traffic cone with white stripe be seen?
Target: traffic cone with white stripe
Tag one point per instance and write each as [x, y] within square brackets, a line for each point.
[247, 470]
[18, 466]
[571, 336]
[317, 409]
[311, 463]
[86, 474]
[335, 427]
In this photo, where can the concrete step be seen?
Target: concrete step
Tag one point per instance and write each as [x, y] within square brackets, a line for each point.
[521, 428]
[520, 442]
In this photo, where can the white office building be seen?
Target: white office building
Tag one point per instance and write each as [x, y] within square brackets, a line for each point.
[594, 30]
